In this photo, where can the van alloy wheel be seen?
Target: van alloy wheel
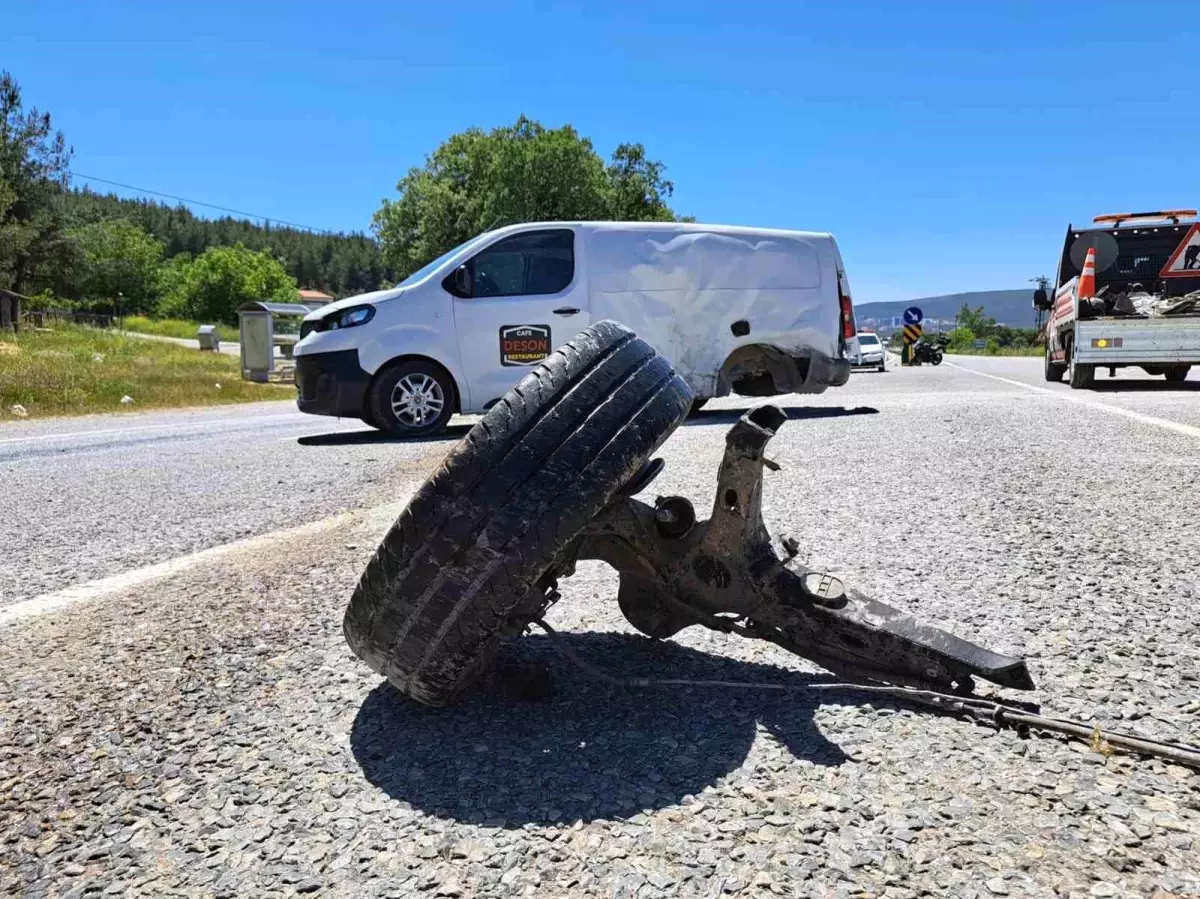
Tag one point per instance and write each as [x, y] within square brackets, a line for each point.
[412, 398]
[417, 400]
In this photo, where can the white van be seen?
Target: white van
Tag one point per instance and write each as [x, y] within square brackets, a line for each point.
[745, 310]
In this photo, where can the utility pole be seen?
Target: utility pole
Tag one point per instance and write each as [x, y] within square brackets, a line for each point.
[1043, 283]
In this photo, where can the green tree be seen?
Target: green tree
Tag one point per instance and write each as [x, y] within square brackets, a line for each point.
[33, 173]
[339, 264]
[478, 180]
[119, 258]
[975, 321]
[212, 286]
[638, 192]
[960, 339]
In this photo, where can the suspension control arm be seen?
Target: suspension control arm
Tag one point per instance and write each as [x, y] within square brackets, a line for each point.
[728, 574]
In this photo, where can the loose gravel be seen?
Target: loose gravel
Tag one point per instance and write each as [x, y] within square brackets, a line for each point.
[211, 735]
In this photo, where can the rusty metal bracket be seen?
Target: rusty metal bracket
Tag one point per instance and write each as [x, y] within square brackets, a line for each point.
[727, 573]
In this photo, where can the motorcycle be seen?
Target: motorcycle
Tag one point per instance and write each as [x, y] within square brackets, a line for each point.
[923, 351]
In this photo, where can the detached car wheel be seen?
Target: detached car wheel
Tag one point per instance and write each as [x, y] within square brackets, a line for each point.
[411, 399]
[466, 561]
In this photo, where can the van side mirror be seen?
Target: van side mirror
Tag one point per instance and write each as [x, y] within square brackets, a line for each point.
[1040, 299]
[458, 282]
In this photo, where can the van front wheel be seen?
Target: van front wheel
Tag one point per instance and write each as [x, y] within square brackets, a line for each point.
[411, 399]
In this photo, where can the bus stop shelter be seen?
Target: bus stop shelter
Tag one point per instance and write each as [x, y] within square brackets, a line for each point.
[10, 310]
[262, 327]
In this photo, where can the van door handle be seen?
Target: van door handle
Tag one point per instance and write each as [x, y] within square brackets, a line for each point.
[566, 310]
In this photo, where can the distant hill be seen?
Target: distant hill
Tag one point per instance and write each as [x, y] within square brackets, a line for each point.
[1008, 307]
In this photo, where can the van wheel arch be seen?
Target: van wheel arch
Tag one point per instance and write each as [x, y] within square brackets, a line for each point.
[417, 357]
[761, 370]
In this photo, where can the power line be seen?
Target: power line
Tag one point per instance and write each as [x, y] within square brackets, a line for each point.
[156, 193]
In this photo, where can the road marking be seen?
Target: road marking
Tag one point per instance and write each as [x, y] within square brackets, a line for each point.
[1188, 430]
[109, 586]
[186, 424]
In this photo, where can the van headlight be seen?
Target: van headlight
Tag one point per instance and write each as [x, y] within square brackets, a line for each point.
[349, 318]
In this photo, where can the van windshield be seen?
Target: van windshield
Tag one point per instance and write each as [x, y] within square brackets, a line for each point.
[868, 340]
[430, 267]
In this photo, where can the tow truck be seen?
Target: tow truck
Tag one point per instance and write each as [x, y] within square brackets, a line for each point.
[1145, 310]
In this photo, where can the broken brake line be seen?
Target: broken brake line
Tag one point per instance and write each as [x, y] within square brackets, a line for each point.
[982, 711]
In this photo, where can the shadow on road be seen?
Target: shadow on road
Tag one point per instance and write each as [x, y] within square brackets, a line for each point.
[457, 432]
[794, 413]
[540, 742]
[1146, 386]
[358, 438]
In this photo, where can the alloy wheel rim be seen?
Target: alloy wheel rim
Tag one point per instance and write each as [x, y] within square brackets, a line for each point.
[417, 400]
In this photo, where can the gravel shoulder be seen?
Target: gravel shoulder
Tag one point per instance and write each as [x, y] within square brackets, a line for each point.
[212, 735]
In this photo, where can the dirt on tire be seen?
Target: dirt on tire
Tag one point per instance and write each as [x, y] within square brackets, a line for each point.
[465, 557]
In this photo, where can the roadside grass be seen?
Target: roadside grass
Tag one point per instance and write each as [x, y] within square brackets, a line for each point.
[174, 327]
[1003, 351]
[75, 370]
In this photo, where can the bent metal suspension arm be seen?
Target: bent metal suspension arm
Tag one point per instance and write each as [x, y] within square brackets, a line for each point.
[728, 574]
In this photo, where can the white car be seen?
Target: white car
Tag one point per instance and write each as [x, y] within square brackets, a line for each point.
[750, 311]
[868, 352]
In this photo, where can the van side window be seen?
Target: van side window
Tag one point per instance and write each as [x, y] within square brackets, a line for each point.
[536, 262]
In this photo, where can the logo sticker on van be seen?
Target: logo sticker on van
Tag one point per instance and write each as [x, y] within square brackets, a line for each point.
[524, 344]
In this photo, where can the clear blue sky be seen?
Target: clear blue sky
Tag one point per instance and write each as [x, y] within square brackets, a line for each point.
[946, 144]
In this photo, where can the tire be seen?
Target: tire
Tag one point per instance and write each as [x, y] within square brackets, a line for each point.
[936, 359]
[1053, 371]
[1079, 375]
[368, 418]
[882, 367]
[466, 556]
[1176, 374]
[697, 405]
[386, 399]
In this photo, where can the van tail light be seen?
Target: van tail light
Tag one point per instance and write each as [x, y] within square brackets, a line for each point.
[848, 327]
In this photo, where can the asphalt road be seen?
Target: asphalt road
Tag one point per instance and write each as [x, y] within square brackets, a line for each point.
[86, 498]
[230, 348]
[203, 730]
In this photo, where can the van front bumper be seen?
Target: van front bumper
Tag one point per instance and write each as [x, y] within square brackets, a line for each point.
[331, 384]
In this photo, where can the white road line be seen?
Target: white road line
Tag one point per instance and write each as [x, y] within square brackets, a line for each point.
[109, 586]
[181, 424]
[1177, 427]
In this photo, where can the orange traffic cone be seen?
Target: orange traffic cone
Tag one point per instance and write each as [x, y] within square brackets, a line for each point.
[1087, 278]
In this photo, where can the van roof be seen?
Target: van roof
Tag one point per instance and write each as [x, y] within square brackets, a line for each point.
[673, 227]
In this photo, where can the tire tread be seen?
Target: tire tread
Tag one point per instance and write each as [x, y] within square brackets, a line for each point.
[445, 580]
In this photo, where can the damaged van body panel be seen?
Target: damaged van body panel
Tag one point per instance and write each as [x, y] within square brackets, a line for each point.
[772, 296]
